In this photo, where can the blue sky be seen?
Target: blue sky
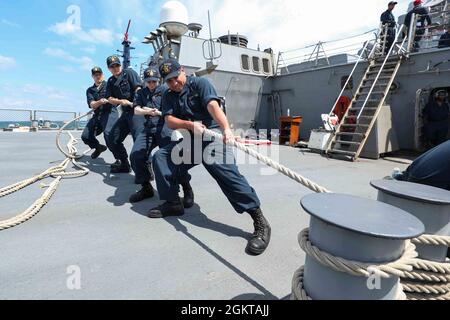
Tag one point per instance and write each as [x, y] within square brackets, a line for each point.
[45, 63]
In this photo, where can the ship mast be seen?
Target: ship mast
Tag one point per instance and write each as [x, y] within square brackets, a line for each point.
[126, 52]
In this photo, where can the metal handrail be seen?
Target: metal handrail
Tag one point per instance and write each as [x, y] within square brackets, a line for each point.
[400, 31]
[360, 58]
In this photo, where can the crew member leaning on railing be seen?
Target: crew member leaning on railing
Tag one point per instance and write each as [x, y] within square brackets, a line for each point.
[423, 16]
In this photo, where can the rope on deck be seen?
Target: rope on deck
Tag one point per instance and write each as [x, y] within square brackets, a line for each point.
[58, 172]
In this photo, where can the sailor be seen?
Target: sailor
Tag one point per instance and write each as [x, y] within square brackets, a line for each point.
[436, 113]
[192, 104]
[120, 90]
[432, 168]
[444, 41]
[155, 133]
[389, 24]
[422, 16]
[104, 116]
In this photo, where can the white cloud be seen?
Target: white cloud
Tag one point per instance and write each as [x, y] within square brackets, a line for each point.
[10, 23]
[289, 24]
[7, 62]
[97, 36]
[67, 69]
[83, 63]
[33, 96]
[90, 50]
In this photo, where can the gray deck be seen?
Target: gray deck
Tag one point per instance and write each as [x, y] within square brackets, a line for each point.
[124, 255]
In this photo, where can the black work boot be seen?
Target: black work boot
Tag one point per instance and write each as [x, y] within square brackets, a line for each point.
[121, 167]
[98, 151]
[188, 200]
[146, 192]
[168, 209]
[261, 237]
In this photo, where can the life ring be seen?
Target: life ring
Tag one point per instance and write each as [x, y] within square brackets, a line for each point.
[341, 107]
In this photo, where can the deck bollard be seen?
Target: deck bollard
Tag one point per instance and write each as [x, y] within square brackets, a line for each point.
[356, 230]
[431, 206]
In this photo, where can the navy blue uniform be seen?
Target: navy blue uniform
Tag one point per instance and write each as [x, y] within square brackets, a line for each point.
[103, 119]
[423, 14]
[387, 18]
[444, 41]
[124, 87]
[153, 134]
[191, 105]
[432, 168]
[437, 126]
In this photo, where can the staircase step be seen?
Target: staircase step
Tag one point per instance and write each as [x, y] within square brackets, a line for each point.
[379, 78]
[367, 108]
[368, 101]
[394, 63]
[346, 153]
[373, 92]
[348, 125]
[362, 117]
[354, 134]
[351, 143]
[378, 71]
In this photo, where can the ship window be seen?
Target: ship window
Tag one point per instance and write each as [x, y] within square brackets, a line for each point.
[349, 85]
[256, 67]
[266, 65]
[245, 62]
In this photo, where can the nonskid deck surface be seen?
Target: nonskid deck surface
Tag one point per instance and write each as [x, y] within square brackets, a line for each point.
[124, 255]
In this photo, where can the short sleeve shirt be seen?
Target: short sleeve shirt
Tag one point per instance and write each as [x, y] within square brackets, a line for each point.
[191, 103]
[124, 87]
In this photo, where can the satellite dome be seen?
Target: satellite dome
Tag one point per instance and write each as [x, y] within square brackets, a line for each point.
[174, 17]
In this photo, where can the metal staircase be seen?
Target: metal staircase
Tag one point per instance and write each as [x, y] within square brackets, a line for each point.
[354, 129]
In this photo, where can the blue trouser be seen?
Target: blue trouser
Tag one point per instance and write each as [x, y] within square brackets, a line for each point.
[218, 160]
[126, 124]
[102, 122]
[146, 141]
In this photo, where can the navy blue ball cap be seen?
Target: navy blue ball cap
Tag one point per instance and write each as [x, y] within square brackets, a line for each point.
[112, 61]
[169, 69]
[151, 74]
[96, 70]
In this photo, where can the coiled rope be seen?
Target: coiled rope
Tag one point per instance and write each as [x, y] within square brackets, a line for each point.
[58, 172]
[386, 270]
[429, 280]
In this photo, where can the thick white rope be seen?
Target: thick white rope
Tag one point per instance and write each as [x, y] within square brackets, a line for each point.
[57, 172]
[422, 297]
[407, 267]
[432, 240]
[354, 268]
[299, 293]
[269, 162]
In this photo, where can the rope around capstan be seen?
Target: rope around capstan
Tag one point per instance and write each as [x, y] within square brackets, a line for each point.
[386, 270]
[407, 267]
[58, 172]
